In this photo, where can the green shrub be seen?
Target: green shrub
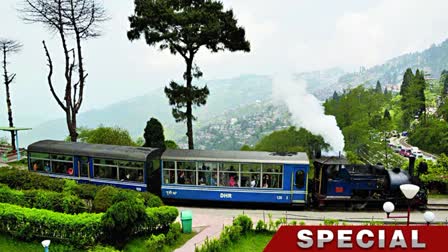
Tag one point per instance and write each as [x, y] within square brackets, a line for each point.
[86, 191]
[155, 242]
[120, 220]
[174, 233]
[244, 222]
[261, 226]
[8, 195]
[27, 224]
[25, 180]
[104, 198]
[151, 200]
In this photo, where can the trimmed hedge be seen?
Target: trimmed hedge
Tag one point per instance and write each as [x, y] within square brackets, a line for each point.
[80, 230]
[25, 180]
[27, 224]
[58, 202]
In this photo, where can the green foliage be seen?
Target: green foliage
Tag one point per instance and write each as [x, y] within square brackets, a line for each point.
[154, 134]
[279, 222]
[58, 202]
[291, 140]
[174, 233]
[155, 242]
[78, 230]
[431, 136]
[151, 200]
[120, 220]
[184, 27]
[261, 226]
[438, 171]
[331, 222]
[104, 198]
[105, 135]
[244, 222]
[25, 180]
[170, 144]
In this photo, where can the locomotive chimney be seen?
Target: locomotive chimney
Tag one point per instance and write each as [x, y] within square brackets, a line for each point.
[411, 165]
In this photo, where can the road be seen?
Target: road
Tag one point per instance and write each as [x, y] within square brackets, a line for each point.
[403, 142]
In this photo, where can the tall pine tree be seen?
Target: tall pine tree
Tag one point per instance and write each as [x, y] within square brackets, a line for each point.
[378, 88]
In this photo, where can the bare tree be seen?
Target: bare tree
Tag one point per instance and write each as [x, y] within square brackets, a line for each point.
[7, 47]
[75, 20]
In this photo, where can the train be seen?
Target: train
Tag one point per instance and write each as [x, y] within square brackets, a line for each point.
[223, 176]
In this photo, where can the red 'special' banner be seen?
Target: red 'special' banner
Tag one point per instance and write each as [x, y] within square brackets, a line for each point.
[359, 238]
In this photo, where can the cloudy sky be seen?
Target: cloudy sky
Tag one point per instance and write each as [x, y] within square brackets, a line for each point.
[285, 35]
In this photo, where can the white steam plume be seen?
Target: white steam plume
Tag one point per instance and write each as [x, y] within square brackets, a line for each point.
[307, 111]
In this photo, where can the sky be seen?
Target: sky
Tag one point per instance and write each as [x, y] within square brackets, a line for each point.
[285, 36]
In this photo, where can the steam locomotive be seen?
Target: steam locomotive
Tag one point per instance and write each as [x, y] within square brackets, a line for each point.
[224, 176]
[335, 180]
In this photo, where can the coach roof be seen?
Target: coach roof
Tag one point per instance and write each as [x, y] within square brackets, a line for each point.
[236, 156]
[94, 150]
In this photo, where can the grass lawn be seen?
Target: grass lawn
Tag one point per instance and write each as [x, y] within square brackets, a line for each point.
[11, 245]
[251, 242]
[138, 244]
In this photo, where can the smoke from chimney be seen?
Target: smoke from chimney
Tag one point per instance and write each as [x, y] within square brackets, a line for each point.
[307, 111]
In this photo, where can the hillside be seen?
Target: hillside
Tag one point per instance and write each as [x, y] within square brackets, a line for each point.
[226, 94]
[432, 60]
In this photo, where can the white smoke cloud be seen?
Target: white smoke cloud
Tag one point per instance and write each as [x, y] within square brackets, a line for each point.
[307, 111]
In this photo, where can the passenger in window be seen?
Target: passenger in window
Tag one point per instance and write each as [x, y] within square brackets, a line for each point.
[232, 181]
[253, 182]
[140, 176]
[213, 180]
[266, 181]
[181, 179]
[47, 167]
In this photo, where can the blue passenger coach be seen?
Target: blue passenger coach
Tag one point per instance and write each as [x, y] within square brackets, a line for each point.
[120, 166]
[235, 176]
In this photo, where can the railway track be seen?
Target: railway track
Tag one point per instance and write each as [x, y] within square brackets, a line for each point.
[437, 206]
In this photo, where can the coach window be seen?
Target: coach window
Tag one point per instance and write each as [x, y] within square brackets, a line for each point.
[169, 173]
[105, 169]
[250, 175]
[186, 173]
[130, 171]
[300, 179]
[207, 173]
[229, 174]
[40, 161]
[272, 176]
[62, 164]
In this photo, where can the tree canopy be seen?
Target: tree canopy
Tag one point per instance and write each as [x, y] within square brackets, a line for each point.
[154, 134]
[183, 27]
[105, 135]
[290, 140]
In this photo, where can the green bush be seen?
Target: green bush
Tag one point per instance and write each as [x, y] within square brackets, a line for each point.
[155, 242]
[104, 198]
[174, 233]
[41, 199]
[244, 222]
[120, 220]
[11, 196]
[261, 226]
[27, 224]
[151, 200]
[25, 180]
[86, 191]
